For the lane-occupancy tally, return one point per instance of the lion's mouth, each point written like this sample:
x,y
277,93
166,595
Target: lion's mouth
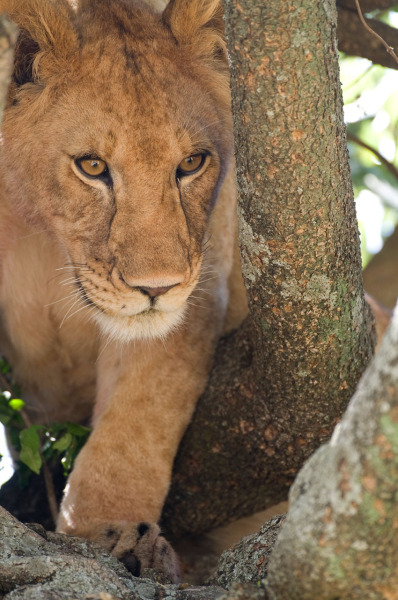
x,y
126,319
147,324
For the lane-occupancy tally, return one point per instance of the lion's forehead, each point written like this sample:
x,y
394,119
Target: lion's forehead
x,y
113,116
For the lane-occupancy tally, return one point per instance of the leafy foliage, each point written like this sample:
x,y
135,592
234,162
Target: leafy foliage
x,y
371,113
58,441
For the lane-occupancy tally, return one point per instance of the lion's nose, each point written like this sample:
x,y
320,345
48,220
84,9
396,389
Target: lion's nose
x,y
156,291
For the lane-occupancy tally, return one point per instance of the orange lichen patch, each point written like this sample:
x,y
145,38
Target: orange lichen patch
x,y
381,509
380,440
345,485
263,67
301,441
297,134
251,81
282,89
270,433
369,483
297,158
327,518
245,427
387,453
387,593
272,171
274,141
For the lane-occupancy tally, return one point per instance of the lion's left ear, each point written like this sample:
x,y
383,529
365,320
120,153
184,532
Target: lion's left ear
x,y
199,24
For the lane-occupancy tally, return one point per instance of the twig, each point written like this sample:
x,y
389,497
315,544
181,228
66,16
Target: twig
x,y
389,49
393,170
48,480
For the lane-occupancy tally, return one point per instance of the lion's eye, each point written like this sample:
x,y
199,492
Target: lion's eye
x,y
93,167
190,165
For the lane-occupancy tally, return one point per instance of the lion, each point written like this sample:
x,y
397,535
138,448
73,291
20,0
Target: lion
x,y
119,264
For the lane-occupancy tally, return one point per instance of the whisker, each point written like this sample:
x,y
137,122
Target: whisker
x,y
23,237
68,281
74,267
195,305
198,299
61,300
78,310
203,291
103,349
79,299
208,279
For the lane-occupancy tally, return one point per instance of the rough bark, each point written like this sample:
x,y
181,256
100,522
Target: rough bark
x,y
35,564
340,539
247,561
354,39
244,591
283,380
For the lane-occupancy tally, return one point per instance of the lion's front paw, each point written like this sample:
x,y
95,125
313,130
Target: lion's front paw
x,y
139,546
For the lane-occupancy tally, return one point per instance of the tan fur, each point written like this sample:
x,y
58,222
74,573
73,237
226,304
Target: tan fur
x,y
142,91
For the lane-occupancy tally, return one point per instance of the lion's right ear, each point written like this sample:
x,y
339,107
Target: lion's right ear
x,y
199,24
46,38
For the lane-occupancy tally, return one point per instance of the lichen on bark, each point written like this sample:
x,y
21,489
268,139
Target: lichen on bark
x,y
340,536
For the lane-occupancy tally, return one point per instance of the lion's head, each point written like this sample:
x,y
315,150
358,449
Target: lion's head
x,y
116,138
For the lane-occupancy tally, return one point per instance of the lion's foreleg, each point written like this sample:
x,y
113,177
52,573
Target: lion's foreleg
x,y
122,476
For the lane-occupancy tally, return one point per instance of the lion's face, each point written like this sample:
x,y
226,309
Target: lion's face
x,y
122,161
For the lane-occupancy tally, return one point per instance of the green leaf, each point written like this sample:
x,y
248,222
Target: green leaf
x,y
16,404
78,430
4,366
30,445
5,419
63,443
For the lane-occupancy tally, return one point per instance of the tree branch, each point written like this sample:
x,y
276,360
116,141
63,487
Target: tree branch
x,y
355,40
367,5
378,37
391,168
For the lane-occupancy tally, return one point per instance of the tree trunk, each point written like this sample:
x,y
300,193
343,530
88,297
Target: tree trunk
x,y
280,384
340,539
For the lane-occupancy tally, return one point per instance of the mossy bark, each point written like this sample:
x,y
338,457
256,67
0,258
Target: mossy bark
x,y
340,539
281,383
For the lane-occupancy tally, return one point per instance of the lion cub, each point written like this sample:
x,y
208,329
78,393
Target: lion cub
x,y
117,216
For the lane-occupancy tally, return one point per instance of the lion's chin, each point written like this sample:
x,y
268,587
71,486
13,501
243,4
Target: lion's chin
x,y
146,325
